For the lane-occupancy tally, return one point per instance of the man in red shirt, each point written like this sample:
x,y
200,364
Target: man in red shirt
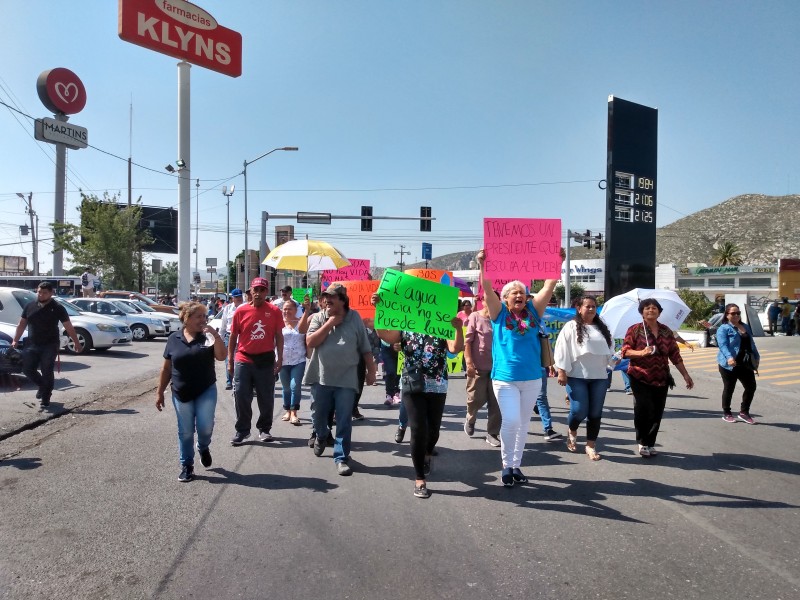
x,y
255,354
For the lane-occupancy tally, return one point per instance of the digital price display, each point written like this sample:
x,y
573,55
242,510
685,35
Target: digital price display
x,y
631,196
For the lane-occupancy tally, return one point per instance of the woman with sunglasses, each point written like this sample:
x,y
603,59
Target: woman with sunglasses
x,y
738,360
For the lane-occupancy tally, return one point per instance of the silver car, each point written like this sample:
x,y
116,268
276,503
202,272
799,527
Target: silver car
x,y
142,326
171,322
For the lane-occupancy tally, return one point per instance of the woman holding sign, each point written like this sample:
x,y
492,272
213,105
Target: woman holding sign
x,y
517,364
424,390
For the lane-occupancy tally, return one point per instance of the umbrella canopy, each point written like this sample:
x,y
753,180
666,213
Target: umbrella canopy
x,y
306,255
463,286
622,311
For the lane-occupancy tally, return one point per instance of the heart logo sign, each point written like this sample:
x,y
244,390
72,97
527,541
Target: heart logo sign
x,y
61,91
68,93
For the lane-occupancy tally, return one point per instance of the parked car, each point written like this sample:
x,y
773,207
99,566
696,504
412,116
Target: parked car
x,y
94,331
117,294
142,326
171,322
762,316
216,321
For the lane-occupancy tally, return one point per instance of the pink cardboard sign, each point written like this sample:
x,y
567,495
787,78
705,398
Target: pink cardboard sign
x,y
522,249
358,270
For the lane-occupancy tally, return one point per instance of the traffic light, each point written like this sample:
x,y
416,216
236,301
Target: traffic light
x,y
366,223
23,230
424,213
598,241
587,239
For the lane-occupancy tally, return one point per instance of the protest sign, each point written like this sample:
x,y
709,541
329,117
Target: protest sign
x,y
357,270
409,303
299,294
437,275
521,249
359,293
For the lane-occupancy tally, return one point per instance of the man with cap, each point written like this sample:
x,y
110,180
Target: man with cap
x,y
255,354
338,340
41,317
286,294
225,327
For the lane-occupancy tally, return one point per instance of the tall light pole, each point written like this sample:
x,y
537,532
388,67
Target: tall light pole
x,y
246,224
228,195
34,229
197,227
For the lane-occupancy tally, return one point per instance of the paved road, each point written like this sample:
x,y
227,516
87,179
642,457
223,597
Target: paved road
x,y
91,507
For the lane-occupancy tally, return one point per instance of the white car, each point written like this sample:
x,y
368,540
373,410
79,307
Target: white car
x,y
143,327
171,322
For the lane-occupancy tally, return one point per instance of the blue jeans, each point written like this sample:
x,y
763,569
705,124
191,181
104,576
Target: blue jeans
x,y
40,356
626,381
327,398
225,337
403,417
544,406
291,381
196,415
586,399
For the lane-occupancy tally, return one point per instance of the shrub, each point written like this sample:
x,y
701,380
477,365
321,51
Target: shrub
x,y
700,306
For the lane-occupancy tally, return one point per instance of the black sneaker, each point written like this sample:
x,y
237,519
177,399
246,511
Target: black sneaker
x,y
518,476
421,491
44,403
319,446
228,386
330,441
187,474
400,434
536,409
469,428
507,477
205,458
240,437
357,416
551,435
39,394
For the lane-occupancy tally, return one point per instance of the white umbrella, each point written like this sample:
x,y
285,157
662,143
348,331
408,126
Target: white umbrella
x,y
622,311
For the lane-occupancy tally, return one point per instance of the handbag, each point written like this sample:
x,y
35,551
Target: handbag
x,y
546,349
413,381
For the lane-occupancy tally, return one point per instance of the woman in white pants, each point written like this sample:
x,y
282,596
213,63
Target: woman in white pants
x,y
516,369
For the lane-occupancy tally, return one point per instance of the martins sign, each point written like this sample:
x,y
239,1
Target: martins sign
x,y
182,30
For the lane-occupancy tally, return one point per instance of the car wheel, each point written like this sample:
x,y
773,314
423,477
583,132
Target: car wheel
x,y
84,338
139,332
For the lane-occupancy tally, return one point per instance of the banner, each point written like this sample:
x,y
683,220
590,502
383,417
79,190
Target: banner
x,y
521,249
437,275
357,270
359,293
412,304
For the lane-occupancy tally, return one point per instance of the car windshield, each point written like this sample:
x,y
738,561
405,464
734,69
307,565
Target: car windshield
x,y
123,307
23,297
70,308
143,306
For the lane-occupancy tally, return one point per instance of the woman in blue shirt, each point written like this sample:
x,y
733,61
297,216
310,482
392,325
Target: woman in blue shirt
x,y
738,359
517,367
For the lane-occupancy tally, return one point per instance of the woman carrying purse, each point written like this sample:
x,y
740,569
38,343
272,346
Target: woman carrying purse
x,y
738,360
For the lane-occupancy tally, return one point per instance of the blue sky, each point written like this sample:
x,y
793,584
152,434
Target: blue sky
x,y
473,108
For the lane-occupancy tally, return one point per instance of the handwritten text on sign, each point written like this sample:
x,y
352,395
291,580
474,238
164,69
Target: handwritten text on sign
x,y
413,304
522,249
358,270
360,295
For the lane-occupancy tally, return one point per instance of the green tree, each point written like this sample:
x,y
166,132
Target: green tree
x,y
700,306
726,254
108,240
167,279
575,291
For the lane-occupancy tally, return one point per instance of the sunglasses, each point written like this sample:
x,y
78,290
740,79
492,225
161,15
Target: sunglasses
x,y
734,313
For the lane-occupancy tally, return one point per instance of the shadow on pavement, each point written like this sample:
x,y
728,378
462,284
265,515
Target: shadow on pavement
x,y
267,481
23,464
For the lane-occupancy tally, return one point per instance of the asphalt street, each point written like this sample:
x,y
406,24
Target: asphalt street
x,y
91,505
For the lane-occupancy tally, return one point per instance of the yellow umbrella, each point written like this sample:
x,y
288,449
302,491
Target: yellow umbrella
x,y
305,255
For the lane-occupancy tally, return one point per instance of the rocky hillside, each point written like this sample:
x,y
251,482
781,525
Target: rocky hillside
x,y
764,228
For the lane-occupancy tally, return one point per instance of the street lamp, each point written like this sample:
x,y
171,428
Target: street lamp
x,y
246,224
34,230
228,195
197,228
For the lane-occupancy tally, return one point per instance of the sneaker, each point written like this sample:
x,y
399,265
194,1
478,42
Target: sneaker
x,y
653,451
357,416
319,446
388,401
228,386
44,404
265,436
517,475
344,469
312,439
421,491
644,451
492,440
396,399
205,458
187,474
746,418
39,394
729,418
400,434
240,437
507,477
469,428
551,436
536,409
629,392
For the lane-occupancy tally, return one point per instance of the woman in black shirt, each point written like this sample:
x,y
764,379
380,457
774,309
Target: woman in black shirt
x,y
189,366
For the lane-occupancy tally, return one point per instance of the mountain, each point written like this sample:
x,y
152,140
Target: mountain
x,y
764,228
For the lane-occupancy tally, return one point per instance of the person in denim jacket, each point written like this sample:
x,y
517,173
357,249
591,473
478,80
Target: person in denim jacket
x,y
738,359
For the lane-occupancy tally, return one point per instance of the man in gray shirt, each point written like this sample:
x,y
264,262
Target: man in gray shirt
x,y
338,340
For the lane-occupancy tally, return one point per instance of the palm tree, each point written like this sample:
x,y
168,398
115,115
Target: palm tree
x,y
727,254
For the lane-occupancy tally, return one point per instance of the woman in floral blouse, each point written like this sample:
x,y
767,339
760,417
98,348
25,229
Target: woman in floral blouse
x,y
426,355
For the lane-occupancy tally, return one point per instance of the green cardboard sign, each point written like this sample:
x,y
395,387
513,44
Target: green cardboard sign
x,y
299,294
410,303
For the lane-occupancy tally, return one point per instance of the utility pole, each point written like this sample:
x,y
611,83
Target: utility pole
x,y
402,252
34,229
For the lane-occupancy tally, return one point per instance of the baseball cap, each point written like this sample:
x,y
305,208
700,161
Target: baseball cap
x,y
258,282
236,293
286,288
335,289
